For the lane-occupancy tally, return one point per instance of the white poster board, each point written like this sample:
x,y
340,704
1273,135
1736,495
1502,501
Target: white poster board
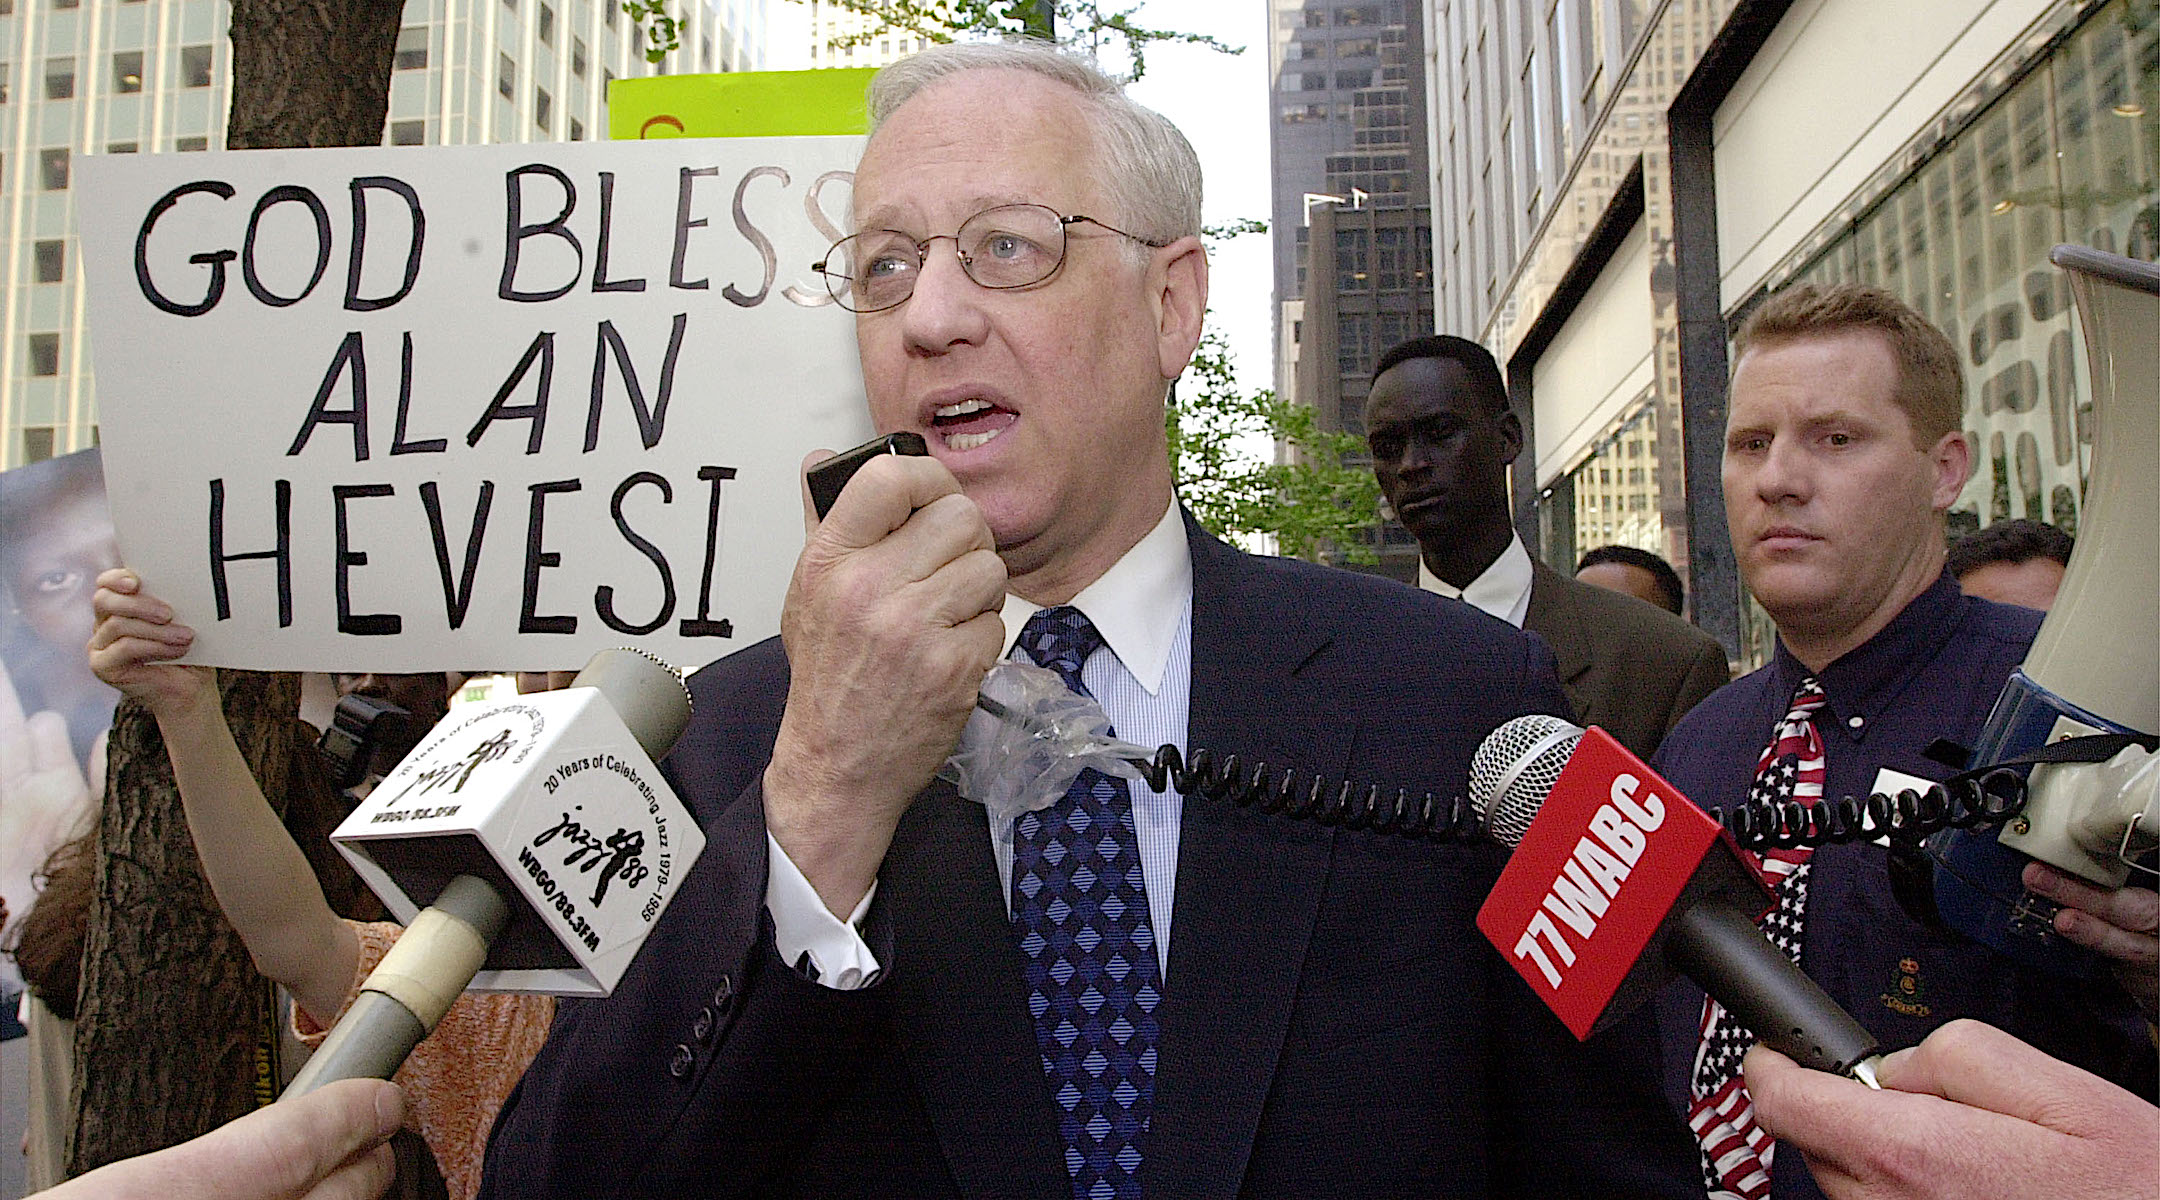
x,y
468,408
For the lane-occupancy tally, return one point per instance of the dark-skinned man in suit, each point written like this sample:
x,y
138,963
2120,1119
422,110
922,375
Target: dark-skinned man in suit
x,y
1442,438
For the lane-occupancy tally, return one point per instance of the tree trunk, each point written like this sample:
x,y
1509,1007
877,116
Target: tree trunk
x,y
310,72
171,1008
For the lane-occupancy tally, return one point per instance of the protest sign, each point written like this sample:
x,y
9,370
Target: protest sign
x,y
829,100
470,407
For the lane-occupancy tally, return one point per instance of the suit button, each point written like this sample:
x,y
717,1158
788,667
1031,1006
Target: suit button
x,y
723,996
680,1062
702,1028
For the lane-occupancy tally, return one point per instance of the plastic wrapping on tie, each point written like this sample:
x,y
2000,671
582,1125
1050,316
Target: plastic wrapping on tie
x,y
1029,738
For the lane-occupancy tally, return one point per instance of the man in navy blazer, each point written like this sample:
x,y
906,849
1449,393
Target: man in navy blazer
x,y
834,1003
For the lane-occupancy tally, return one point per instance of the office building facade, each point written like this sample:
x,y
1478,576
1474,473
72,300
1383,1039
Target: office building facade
x,y
1619,182
82,77
1352,221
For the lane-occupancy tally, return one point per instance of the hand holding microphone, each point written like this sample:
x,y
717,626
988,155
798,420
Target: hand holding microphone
x,y
1972,1114
1618,883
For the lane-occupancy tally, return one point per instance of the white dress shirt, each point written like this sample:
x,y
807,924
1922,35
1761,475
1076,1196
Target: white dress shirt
x,y
1142,677
1502,591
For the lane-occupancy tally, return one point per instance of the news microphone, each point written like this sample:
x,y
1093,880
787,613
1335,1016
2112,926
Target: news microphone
x,y
1617,883
542,841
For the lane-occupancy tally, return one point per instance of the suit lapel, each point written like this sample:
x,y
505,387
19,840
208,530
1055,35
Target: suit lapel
x,y
1553,616
961,1008
1248,886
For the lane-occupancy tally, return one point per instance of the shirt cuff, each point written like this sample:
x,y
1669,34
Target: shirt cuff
x,y
820,946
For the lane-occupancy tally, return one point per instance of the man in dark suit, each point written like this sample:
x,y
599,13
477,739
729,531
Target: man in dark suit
x,y
864,988
1442,437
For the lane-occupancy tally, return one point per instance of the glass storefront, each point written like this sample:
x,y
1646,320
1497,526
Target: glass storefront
x,y
2068,151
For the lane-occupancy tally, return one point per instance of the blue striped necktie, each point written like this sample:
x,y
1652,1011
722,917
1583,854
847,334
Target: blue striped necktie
x,y
1080,911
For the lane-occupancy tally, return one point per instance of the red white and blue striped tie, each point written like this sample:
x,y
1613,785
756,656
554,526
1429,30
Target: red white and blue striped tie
x,y
1736,1152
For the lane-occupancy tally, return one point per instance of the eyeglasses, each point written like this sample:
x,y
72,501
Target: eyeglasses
x,y
1010,246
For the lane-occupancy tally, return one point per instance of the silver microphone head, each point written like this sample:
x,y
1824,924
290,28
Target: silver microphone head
x,y
1515,768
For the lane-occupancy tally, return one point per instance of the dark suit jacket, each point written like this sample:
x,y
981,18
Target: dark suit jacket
x,y
1332,1023
1630,668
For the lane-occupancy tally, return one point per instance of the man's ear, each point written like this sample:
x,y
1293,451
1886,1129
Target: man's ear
x,y
1510,436
1180,302
1951,461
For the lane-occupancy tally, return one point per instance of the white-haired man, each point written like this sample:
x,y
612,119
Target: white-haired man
x,y
866,990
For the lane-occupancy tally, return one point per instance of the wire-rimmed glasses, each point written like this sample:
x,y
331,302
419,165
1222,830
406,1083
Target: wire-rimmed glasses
x,y
1009,246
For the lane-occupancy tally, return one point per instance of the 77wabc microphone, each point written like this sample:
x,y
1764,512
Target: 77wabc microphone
x,y
542,842
1617,884
2094,668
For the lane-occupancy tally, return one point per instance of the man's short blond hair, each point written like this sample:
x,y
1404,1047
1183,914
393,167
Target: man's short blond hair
x,y
1930,388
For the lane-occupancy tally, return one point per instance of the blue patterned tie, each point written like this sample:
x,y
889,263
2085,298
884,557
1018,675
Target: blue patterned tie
x,y
1079,908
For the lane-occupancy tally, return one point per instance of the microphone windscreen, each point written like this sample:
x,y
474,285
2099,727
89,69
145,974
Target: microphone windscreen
x,y
1514,770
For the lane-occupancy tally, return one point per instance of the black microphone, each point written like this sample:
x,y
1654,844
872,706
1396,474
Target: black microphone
x,y
1617,883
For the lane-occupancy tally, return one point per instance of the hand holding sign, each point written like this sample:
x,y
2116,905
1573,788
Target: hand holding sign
x,y
134,644
891,622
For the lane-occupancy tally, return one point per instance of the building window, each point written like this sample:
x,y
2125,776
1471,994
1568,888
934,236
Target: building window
x,y
121,147
577,130
59,79
187,145
45,354
53,169
543,108
608,7
37,443
505,76
51,260
577,57
4,68
1350,80
194,66
510,4
547,24
63,4
408,133
127,67
412,47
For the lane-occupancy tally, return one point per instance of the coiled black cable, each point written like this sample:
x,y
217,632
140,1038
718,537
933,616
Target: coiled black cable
x,y
1304,797
1986,798
1991,798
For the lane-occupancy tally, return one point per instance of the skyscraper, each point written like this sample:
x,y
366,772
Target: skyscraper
x,y
1352,210
84,77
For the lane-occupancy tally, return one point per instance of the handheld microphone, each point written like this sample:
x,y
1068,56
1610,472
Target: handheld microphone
x,y
1617,883
542,841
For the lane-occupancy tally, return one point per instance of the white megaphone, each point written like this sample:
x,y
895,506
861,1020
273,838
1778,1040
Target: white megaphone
x,y
2092,669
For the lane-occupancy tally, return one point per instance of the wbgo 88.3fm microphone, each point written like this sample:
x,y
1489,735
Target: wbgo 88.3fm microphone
x,y
1617,883
542,842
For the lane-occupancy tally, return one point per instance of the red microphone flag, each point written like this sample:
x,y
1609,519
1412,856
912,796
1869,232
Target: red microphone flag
x,y
1584,897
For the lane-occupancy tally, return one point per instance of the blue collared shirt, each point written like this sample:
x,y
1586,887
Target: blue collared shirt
x,y
1933,672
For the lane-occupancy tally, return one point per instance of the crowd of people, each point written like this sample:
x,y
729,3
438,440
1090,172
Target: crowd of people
x,y
866,988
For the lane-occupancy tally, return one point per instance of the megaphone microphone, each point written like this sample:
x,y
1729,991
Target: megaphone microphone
x,y
540,838
2078,679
